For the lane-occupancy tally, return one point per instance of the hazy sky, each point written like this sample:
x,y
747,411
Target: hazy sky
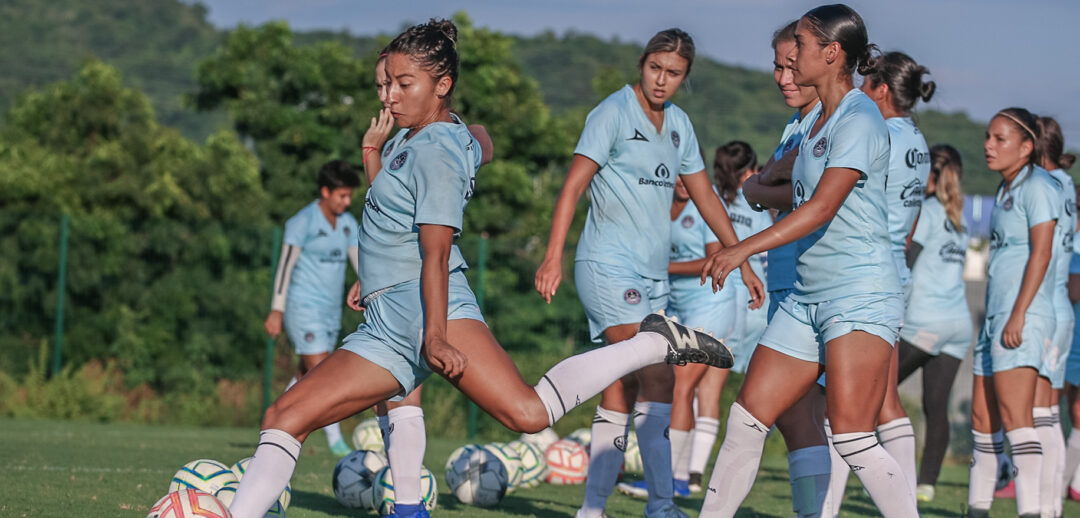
x,y
984,54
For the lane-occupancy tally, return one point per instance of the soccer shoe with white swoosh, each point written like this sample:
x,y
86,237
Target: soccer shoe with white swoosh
x,y
687,345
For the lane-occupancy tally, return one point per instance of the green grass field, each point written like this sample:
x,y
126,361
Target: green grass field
x,y
66,469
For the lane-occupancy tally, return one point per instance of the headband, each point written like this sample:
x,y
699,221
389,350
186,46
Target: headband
x,y
1021,124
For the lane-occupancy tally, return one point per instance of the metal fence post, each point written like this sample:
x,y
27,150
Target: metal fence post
x,y
268,366
61,287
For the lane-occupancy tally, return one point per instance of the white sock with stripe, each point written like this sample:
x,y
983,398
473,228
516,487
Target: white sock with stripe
x,y
983,471
1027,455
680,453
736,465
898,438
1072,460
878,472
406,443
267,474
838,481
609,429
701,442
1049,479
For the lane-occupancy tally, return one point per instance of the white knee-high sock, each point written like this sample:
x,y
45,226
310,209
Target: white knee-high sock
x,y
680,453
651,422
333,433
1059,461
898,438
580,377
1028,457
837,481
609,429
1072,460
1044,427
267,475
810,473
983,472
878,472
701,442
736,465
405,452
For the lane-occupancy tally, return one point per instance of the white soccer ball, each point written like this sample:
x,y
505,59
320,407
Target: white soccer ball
x,y
506,454
206,475
354,476
188,503
632,455
541,439
368,436
568,463
582,436
382,493
475,476
227,493
240,467
532,463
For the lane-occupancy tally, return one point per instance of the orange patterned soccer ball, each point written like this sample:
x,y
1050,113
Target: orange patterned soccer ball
x,y
189,503
567,461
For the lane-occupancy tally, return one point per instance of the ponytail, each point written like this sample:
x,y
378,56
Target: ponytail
x,y
947,169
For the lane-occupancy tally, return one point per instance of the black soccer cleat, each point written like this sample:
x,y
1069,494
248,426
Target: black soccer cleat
x,y
687,345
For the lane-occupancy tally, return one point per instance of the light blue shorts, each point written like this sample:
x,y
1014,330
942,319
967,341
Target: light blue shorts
x,y
801,330
950,337
393,330
713,312
1072,368
614,295
775,297
992,356
749,326
309,331
1056,357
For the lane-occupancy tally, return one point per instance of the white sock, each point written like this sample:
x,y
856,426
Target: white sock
x,y
267,474
1072,462
405,452
384,428
701,442
680,453
1028,457
651,421
1044,427
333,433
609,429
578,378
898,438
984,470
878,472
291,383
736,465
838,481
1059,461
810,472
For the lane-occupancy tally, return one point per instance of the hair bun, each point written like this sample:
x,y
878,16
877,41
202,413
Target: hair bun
x,y
446,27
867,60
1067,160
926,90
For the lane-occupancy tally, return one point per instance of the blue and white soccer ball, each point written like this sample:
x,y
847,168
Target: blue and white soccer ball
x,y
632,455
228,492
476,476
354,476
206,475
511,460
582,436
383,495
533,463
368,436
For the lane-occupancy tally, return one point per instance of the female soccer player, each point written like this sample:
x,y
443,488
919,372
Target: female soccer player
x,y
420,314
1019,311
937,324
310,279
847,296
634,143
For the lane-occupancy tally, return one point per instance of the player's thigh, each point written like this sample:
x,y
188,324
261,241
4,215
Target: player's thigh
x,y
413,399
1015,390
803,425
857,370
774,382
985,417
891,408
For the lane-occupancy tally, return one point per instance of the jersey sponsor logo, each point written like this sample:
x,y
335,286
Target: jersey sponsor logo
x,y
1067,241
800,194
820,146
662,171
687,221
620,443
740,219
1008,205
996,240
337,253
638,136
389,148
472,189
952,252
913,190
915,158
632,296
675,138
321,233
371,204
399,161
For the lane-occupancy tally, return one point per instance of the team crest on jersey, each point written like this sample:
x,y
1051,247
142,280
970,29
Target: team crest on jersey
x,y
309,337
389,148
687,221
819,147
1008,205
632,296
399,161
675,138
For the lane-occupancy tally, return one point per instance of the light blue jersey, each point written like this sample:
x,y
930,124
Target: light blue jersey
x,y
780,274
627,223
937,291
1063,241
851,254
1033,198
429,180
695,304
909,169
747,222
317,286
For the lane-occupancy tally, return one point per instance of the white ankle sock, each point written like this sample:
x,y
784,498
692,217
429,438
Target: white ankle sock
x,y
267,474
878,472
580,377
1028,457
1059,461
837,481
1072,462
898,438
701,442
736,465
680,453
333,433
1044,427
609,429
810,472
651,422
405,452
984,470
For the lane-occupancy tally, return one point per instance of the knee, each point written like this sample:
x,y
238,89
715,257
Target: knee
x,y
525,417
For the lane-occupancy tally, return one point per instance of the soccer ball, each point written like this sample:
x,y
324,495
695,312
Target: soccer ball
x,y
582,436
354,475
541,439
188,503
227,493
368,436
632,455
382,493
532,462
567,461
511,460
206,475
476,476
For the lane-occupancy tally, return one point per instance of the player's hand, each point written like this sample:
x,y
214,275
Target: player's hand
x,y
273,324
753,285
720,264
353,298
548,277
379,130
444,358
1013,334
